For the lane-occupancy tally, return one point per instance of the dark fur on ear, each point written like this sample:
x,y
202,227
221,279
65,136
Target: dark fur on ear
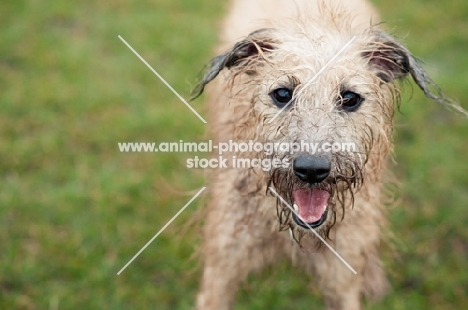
x,y
394,61
254,44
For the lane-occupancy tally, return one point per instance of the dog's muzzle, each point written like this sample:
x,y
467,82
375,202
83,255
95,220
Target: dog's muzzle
x,y
311,204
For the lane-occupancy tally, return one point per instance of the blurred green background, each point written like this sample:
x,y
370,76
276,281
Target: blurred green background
x,y
74,210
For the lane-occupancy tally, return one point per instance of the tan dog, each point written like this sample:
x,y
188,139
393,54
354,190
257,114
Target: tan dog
x,y
310,73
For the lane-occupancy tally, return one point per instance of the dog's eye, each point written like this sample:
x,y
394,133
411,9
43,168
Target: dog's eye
x,y
281,96
350,101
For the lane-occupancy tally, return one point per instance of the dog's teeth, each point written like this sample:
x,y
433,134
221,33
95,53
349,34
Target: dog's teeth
x,y
296,208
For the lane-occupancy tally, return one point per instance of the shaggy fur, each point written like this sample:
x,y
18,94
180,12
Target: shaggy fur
x,y
246,226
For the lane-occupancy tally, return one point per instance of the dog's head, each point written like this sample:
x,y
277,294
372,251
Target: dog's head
x,y
332,91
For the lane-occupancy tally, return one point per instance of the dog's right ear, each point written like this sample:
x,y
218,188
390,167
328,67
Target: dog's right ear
x,y
255,45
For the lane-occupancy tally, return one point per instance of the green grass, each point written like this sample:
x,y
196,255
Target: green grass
x,y
73,210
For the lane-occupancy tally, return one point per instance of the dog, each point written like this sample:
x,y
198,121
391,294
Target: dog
x,y
303,73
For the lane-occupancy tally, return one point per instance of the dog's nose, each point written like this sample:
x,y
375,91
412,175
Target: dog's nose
x,y
311,169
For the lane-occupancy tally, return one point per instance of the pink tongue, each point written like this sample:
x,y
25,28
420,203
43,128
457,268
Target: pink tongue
x,y
311,203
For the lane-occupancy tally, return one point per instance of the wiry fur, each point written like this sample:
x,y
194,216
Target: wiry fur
x,y
245,223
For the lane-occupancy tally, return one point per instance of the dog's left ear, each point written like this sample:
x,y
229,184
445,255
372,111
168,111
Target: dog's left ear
x,y
393,61
254,45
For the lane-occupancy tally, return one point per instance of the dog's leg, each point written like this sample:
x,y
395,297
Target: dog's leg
x,y
356,240
341,288
239,239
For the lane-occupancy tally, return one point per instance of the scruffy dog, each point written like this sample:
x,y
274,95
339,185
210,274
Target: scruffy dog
x,y
303,73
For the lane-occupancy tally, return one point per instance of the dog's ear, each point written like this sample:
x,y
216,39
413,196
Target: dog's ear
x,y
254,45
393,61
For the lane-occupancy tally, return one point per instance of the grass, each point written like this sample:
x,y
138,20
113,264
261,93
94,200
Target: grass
x,y
73,210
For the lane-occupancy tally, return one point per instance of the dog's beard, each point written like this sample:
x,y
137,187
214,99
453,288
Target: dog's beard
x,y
308,200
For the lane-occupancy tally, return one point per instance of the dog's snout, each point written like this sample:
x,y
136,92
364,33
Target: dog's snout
x,y
311,169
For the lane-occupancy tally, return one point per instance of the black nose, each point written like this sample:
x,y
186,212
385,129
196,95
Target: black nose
x,y
311,169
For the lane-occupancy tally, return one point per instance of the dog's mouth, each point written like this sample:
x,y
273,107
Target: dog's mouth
x,y
311,206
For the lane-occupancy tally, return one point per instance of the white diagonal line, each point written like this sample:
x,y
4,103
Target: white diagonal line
x,y
314,77
316,234
162,229
163,80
